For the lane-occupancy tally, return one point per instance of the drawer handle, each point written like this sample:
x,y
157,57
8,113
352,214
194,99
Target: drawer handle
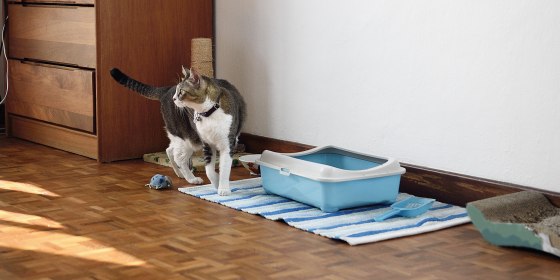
x,y
51,4
70,67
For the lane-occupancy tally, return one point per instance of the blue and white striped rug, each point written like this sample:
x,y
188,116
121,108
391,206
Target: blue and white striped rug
x,y
355,226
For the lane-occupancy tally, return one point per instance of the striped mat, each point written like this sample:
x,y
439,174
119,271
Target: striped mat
x,y
355,226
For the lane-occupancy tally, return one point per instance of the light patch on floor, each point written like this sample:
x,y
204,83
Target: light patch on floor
x,y
25,187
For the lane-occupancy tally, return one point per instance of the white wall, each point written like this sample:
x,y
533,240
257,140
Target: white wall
x,y
467,86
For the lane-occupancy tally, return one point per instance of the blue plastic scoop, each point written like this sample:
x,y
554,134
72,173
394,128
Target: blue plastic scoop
x,y
409,207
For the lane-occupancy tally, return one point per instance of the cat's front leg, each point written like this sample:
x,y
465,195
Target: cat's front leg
x,y
210,167
225,170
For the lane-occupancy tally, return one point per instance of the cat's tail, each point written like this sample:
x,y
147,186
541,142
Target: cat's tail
x,y
147,91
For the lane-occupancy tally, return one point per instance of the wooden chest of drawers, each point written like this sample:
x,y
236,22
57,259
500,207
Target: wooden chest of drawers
x,y
60,55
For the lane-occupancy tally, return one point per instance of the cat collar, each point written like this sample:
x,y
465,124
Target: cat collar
x,y
198,116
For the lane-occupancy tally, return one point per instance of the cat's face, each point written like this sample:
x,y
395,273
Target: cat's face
x,y
191,90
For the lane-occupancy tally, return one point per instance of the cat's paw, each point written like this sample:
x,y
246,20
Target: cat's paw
x,y
195,181
224,191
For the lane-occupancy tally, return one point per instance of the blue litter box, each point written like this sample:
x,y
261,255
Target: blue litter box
x,y
331,178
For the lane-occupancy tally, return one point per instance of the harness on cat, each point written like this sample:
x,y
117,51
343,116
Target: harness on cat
x,y
198,116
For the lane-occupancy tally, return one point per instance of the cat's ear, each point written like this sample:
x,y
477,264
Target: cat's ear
x,y
194,78
185,72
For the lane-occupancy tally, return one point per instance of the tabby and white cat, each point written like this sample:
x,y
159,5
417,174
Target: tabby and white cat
x,y
219,113
179,125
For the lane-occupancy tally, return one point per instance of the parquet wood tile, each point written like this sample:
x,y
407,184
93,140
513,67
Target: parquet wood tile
x,y
63,216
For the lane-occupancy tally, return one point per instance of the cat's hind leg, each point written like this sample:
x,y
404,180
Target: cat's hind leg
x,y
169,152
179,153
182,158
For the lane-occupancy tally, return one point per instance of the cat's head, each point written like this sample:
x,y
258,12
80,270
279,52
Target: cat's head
x,y
192,90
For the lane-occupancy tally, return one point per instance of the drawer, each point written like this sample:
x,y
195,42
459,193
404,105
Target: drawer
x,y
54,33
55,136
59,95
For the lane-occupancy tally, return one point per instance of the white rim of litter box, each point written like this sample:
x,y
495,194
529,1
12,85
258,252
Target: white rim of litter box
x,y
286,164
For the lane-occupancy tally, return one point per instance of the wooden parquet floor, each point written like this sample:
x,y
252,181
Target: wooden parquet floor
x,y
63,216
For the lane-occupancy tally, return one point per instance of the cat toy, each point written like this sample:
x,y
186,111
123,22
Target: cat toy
x,y
159,182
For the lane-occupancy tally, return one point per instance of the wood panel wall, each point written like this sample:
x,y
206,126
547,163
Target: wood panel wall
x,y
149,42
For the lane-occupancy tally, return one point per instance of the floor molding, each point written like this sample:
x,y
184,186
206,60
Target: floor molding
x,y
444,186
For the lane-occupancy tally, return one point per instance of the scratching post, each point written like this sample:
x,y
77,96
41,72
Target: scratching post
x,y
201,56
